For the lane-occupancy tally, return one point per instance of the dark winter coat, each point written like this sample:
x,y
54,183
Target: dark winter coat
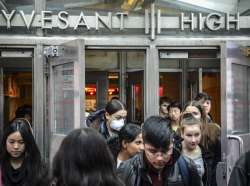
x,y
134,172
240,175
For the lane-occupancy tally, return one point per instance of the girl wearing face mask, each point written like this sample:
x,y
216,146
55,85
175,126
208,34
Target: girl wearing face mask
x,y
20,159
108,120
115,115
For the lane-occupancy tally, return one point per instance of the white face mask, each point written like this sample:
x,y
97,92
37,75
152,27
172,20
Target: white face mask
x,y
117,124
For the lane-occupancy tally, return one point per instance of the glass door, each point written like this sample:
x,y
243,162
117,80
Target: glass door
x,y
1,101
135,97
116,74
184,73
66,96
236,86
16,93
96,90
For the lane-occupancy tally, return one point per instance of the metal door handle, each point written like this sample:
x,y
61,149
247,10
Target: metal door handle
x,y
239,139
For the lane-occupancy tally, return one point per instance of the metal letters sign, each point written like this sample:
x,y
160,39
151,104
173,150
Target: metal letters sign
x,y
152,22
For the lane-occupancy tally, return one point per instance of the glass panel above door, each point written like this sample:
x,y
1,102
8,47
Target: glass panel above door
x,y
88,6
9,5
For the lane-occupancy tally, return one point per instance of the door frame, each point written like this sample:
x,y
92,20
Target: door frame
x,y
66,55
18,48
227,114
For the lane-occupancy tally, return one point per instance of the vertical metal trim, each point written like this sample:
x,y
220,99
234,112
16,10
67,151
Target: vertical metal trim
x,y
38,97
81,72
200,80
40,5
122,60
146,21
226,99
47,132
1,102
79,79
151,82
51,108
158,21
248,96
184,75
152,21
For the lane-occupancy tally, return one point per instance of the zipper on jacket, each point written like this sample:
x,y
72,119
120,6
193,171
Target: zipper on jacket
x,y
159,175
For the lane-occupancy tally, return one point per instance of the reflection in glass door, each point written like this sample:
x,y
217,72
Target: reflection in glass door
x,y
135,96
16,86
170,85
116,73
185,73
211,85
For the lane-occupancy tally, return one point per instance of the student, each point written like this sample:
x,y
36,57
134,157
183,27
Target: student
x,y
20,159
84,159
210,139
164,103
205,100
111,119
174,111
127,143
241,171
190,128
24,111
156,165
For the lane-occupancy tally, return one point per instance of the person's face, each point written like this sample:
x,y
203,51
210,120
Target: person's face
x,y
194,110
117,120
207,106
135,146
191,136
120,114
156,157
174,113
164,108
15,145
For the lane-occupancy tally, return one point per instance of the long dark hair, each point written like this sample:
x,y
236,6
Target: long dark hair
x,y
114,105
128,133
84,159
35,168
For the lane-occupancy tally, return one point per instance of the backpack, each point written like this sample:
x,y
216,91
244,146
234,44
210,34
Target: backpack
x,y
184,171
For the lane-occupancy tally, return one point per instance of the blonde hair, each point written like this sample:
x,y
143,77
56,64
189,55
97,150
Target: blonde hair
x,y
188,119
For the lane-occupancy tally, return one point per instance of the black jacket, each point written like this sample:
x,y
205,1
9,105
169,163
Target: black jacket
x,y
134,172
98,117
212,156
240,175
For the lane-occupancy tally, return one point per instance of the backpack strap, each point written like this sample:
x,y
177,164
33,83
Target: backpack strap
x,y
184,171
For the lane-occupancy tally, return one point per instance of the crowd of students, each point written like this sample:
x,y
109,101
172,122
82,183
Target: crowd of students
x,y
179,147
